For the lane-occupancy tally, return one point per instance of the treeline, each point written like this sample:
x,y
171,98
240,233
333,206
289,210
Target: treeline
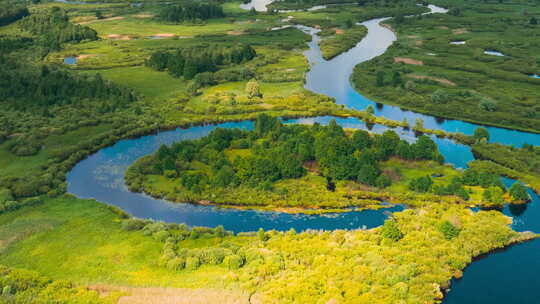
x,y
10,12
53,28
493,187
24,86
25,286
191,11
176,257
11,44
525,159
189,62
274,152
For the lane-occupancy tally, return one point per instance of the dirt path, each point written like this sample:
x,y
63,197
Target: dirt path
x,y
408,61
439,80
158,295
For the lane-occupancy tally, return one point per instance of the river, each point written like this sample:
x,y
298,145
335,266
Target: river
x,y
506,277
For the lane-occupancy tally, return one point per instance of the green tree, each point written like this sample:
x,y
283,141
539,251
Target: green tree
x,y
533,21
519,192
383,181
448,230
481,133
380,79
418,124
396,78
390,230
253,89
263,237
368,175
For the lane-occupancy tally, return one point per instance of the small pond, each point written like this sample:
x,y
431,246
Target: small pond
x,y
493,53
70,60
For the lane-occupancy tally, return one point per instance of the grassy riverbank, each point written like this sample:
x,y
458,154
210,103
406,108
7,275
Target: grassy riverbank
x,y
438,65
337,41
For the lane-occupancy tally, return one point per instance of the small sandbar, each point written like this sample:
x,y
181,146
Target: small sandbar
x,y
118,37
408,61
437,79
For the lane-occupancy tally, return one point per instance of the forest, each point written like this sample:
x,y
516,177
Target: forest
x,y
22,86
53,28
189,62
191,11
10,12
290,165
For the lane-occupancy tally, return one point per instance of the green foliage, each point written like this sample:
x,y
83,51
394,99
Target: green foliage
x,y
480,134
195,61
23,286
191,11
519,192
26,87
482,88
449,230
332,46
53,28
390,230
253,89
233,261
10,12
421,184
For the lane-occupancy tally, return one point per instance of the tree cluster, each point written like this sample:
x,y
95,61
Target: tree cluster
x,y
191,11
24,86
273,151
12,12
188,62
53,28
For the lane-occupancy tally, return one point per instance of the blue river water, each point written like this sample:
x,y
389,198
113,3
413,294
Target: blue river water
x,y
506,277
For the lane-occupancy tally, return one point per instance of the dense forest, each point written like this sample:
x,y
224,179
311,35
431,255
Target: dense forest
x,y
53,28
274,152
10,12
188,62
191,11
24,86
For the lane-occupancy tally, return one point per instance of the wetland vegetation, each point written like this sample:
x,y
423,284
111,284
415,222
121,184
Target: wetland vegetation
x,y
425,72
155,66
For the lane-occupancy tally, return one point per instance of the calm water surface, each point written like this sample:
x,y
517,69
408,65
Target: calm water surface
x,y
509,276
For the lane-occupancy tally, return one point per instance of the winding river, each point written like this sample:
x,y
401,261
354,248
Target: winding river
x,y
503,277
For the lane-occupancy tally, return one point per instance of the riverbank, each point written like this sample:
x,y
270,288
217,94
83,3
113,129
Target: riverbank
x,y
481,89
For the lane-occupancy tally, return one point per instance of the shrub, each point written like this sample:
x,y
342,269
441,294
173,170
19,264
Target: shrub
x,y
192,263
448,230
133,224
390,230
176,263
233,261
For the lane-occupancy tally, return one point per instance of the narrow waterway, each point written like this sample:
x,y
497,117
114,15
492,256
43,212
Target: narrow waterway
x,y
505,277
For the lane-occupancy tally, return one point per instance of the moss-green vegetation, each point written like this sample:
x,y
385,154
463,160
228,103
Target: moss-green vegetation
x,y
519,163
424,71
341,40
